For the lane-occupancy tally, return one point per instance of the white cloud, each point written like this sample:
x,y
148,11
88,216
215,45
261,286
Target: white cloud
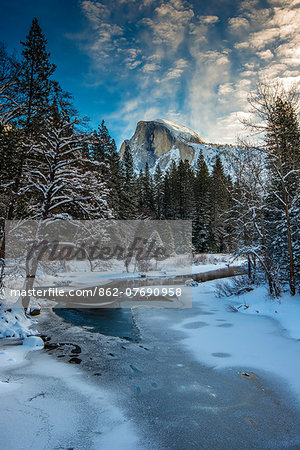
x,y
132,58
169,23
172,53
242,45
248,5
150,67
289,53
94,11
106,35
228,128
177,70
225,89
208,19
238,24
260,39
266,54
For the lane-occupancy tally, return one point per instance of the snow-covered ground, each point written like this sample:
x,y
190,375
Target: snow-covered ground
x,y
40,394
47,404
286,310
78,275
13,322
265,336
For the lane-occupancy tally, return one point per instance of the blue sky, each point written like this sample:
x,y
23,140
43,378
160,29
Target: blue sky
x,y
193,62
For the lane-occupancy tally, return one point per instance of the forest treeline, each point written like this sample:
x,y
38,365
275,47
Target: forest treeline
x,y
53,166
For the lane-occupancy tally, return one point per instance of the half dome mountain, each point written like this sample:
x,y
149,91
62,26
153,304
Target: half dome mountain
x,y
161,141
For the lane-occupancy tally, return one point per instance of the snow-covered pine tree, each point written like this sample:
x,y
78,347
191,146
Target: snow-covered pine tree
x,y
186,193
202,206
158,191
283,200
174,192
139,187
9,137
103,150
147,192
155,246
34,87
63,185
9,133
267,196
218,206
167,206
129,199
246,214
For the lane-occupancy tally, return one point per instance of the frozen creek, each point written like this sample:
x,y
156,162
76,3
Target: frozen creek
x,y
158,392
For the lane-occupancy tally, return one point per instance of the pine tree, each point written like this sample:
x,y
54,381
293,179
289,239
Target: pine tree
x,y
60,184
266,199
103,151
283,162
185,191
158,192
60,187
202,206
147,192
174,192
219,205
129,199
114,180
167,206
10,106
102,144
34,86
34,78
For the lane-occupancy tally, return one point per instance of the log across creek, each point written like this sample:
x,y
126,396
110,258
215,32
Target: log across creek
x,y
121,284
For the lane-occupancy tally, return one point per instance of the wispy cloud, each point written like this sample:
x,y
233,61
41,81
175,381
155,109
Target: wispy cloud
x,y
169,59
238,24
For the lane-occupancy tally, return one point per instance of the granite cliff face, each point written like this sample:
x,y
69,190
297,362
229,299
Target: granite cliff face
x,y
160,142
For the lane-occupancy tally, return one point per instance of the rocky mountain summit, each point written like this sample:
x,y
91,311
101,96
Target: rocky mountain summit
x,y
162,141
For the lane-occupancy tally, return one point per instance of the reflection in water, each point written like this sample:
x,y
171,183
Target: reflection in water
x,y
111,322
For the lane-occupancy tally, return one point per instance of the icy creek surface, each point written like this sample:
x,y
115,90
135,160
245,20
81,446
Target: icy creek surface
x,y
180,386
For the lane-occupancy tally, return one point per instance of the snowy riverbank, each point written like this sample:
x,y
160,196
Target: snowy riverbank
x,y
47,404
123,393
264,335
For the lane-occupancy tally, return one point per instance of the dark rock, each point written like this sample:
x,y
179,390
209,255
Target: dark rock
x,y
45,338
50,347
75,361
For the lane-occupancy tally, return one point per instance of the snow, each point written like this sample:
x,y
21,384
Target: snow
x,y
286,310
13,322
253,341
14,356
210,152
179,131
33,343
172,155
181,134
39,394
78,274
54,405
